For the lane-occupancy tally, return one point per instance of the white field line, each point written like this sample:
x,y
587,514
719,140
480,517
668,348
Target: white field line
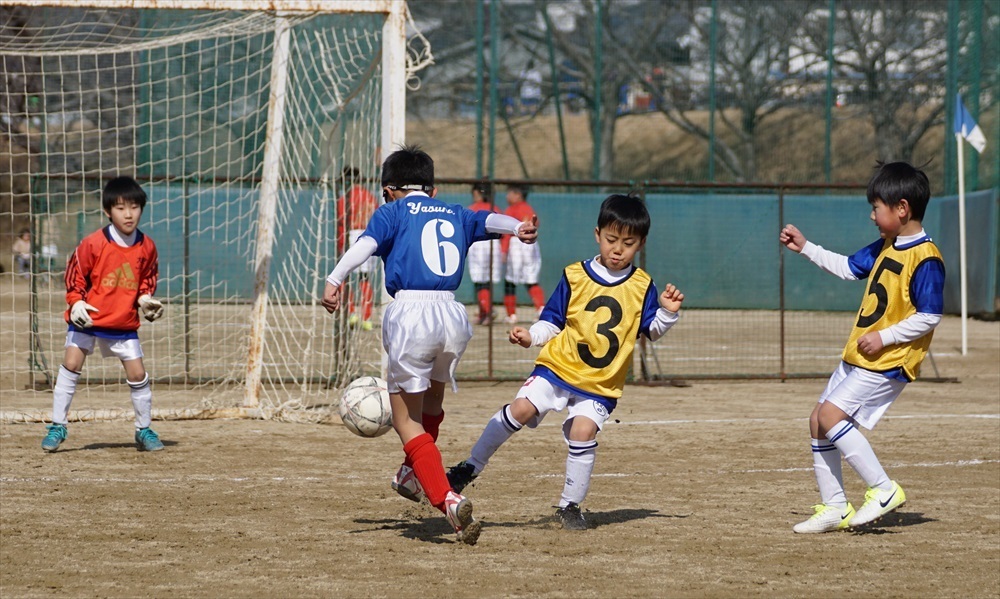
x,y
252,480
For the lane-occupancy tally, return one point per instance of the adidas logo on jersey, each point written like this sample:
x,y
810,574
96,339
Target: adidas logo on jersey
x,y
122,277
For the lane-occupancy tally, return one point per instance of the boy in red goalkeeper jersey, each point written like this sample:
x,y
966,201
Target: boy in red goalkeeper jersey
x,y
110,280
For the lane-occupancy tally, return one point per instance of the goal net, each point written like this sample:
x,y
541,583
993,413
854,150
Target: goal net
x,y
239,124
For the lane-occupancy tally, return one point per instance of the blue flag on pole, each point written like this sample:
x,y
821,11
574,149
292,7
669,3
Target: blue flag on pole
x,y
967,127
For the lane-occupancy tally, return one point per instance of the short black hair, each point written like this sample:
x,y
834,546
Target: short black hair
x,y
125,188
485,188
408,166
626,213
895,181
350,174
520,188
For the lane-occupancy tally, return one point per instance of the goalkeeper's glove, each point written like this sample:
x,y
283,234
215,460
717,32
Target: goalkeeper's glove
x,y
79,316
151,308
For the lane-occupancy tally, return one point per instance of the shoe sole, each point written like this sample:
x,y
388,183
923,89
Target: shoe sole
x,y
141,448
50,449
405,493
470,526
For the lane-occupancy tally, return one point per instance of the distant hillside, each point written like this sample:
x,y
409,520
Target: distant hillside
x,y
790,148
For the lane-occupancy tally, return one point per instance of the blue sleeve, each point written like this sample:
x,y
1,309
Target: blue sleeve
x,y
927,287
382,228
474,223
555,309
863,260
650,304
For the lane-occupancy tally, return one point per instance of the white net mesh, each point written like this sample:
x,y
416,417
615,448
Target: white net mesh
x,y
180,100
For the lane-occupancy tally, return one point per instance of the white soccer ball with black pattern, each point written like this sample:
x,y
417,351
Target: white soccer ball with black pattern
x,y
364,407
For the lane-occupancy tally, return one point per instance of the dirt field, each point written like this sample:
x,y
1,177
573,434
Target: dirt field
x,y
695,493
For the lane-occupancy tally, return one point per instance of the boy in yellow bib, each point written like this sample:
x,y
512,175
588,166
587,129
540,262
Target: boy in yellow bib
x,y
587,331
902,304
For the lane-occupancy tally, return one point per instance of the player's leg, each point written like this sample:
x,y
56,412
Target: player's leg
x,y
485,300
510,300
65,388
141,392
861,400
405,481
366,299
834,511
534,399
537,296
585,419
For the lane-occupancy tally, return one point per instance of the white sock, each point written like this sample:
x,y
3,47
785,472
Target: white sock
x,y
142,401
62,394
579,467
859,454
829,473
500,428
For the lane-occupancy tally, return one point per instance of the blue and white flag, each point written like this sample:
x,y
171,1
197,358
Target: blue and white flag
x,y
967,127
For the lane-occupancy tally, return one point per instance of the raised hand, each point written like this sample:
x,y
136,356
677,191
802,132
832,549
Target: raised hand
x,y
528,231
671,298
792,238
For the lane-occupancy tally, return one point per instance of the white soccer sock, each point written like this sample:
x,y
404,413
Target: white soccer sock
x,y
829,473
859,454
579,467
142,401
62,394
500,428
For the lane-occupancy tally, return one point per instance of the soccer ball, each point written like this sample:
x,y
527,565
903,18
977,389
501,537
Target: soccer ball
x,y
364,407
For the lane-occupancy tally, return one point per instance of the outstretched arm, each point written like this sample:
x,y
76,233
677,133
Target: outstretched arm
x,y
832,262
362,250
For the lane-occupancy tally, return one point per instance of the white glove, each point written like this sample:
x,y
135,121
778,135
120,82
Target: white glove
x,y
151,308
79,316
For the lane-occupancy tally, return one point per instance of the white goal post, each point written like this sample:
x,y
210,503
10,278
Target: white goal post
x,y
238,118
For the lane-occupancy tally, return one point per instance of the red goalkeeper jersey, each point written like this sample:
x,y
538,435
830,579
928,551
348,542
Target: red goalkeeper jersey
x,y
111,278
520,211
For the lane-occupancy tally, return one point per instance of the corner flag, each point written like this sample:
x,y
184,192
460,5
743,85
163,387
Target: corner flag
x,y
967,127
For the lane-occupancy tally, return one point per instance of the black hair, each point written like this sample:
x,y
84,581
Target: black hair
x,y
350,175
520,188
895,181
485,188
408,166
626,213
23,231
125,188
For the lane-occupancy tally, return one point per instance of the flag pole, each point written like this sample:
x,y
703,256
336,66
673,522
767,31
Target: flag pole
x,y
961,244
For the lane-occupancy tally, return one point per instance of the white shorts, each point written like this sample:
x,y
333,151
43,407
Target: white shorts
x,y
546,398
479,261
862,394
524,262
424,334
371,264
123,349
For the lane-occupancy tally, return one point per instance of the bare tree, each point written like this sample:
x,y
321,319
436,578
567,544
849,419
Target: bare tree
x,y
893,55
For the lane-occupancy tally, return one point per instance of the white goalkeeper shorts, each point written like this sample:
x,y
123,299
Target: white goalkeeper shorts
x,y
371,264
479,261
524,262
547,397
424,334
123,349
862,394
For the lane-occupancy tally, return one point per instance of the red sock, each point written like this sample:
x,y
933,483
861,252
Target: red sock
x,y
485,301
537,297
432,424
429,468
510,301
366,300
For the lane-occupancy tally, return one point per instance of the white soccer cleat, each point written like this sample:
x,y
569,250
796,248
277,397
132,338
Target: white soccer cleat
x,y
458,510
826,519
406,484
879,503
510,319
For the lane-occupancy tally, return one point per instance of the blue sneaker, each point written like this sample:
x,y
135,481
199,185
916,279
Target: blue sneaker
x,y
146,439
56,435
